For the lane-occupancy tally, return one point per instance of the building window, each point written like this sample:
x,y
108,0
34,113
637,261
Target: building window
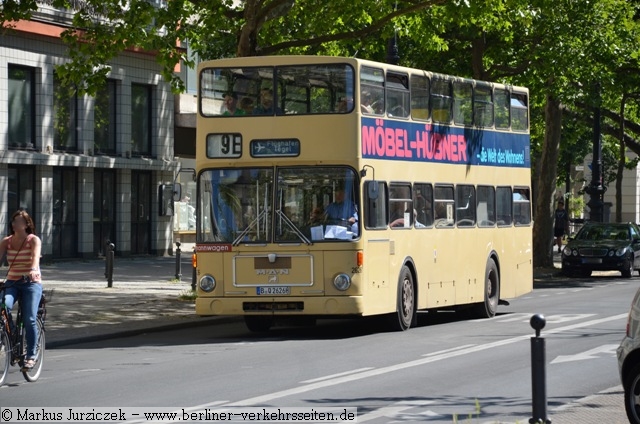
x,y
104,133
21,107
140,119
21,190
65,116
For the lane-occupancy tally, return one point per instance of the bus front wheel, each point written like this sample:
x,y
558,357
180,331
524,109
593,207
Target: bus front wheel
x,y
258,323
406,305
489,306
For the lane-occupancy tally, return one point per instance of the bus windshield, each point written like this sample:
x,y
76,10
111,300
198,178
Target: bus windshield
x,y
306,205
269,90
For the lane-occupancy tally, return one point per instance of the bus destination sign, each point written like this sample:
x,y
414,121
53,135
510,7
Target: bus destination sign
x,y
289,147
221,146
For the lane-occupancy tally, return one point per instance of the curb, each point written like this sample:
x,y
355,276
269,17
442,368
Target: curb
x,y
136,332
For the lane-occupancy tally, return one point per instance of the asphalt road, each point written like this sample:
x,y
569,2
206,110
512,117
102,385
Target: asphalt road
x,y
446,370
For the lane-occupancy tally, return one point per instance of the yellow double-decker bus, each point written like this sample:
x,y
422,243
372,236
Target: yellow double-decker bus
x,y
333,187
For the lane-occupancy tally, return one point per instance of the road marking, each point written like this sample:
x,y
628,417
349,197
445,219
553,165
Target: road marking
x,y
385,411
453,349
340,374
418,362
394,411
551,319
608,350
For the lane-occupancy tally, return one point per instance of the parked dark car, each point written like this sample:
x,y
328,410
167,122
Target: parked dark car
x,y
603,247
629,362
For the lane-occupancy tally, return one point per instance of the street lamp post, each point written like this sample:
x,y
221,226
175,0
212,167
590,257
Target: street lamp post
x,y
596,189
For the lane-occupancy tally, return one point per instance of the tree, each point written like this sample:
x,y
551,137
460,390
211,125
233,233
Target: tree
x,y
103,29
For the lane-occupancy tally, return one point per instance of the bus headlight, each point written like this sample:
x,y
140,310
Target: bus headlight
x,y
342,282
207,283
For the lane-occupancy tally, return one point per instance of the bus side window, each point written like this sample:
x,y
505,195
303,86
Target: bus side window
x,y
504,200
444,206
501,110
462,103
375,212
440,100
465,205
486,208
423,205
419,97
521,206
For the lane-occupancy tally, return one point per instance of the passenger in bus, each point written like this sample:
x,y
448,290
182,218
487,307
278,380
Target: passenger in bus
x,y
399,222
231,104
246,104
266,103
341,211
396,217
365,105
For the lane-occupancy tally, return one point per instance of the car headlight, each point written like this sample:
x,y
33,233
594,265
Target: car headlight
x,y
207,283
342,282
621,252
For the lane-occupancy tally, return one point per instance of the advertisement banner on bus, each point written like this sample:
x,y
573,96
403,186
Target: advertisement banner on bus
x,y
425,142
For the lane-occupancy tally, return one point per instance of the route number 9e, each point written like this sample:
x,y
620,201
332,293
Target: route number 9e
x,y
224,145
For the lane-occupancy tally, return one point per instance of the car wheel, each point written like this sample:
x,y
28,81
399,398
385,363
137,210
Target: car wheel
x,y
632,395
627,272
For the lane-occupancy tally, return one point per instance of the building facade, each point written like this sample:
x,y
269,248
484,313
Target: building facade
x,y
89,170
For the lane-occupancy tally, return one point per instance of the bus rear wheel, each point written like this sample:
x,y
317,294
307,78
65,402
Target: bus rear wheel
x,y
489,306
406,305
258,323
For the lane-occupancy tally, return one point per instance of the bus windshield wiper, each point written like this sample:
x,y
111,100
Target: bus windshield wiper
x,y
293,227
249,228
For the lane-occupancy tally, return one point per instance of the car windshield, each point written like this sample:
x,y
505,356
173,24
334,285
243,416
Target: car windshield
x,y
604,232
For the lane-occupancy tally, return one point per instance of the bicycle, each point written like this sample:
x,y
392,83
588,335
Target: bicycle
x,y
13,338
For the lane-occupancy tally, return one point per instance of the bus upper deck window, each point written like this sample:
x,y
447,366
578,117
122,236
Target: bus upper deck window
x,y
397,87
372,90
519,112
441,100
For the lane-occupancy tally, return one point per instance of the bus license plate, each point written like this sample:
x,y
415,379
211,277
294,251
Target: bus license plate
x,y
274,291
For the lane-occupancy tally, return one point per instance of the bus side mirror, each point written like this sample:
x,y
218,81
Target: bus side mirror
x,y
177,192
373,189
165,199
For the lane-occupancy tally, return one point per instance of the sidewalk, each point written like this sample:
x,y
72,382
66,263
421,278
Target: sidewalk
x,y
145,296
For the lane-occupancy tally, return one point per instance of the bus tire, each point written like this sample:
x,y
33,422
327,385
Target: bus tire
x,y
405,314
489,306
258,323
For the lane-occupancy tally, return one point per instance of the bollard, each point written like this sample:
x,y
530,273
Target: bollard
x,y
178,264
538,373
109,255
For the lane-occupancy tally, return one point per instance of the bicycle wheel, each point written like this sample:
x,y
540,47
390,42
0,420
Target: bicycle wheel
x,y
32,374
5,355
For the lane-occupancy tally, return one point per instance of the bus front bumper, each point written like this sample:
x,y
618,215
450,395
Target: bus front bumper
x,y
337,305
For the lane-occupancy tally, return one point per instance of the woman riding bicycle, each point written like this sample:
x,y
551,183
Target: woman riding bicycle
x,y
23,249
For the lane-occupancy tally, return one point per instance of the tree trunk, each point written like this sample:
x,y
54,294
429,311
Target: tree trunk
x,y
546,184
246,40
